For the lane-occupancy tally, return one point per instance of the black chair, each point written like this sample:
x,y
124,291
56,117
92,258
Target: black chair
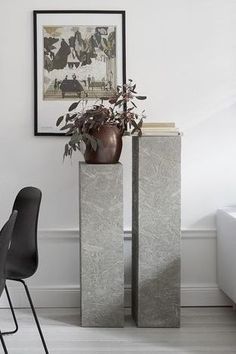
x,y
22,259
5,238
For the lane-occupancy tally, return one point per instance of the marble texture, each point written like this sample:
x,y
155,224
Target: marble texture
x,y
101,245
156,231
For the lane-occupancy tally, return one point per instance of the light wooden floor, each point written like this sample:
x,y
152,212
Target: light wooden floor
x,y
203,330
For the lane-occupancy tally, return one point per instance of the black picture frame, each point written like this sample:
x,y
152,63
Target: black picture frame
x,y
36,16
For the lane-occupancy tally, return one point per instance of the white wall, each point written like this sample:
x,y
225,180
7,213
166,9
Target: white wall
x,y
182,54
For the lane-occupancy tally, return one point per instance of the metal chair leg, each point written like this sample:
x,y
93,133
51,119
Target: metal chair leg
x,y
3,343
34,314
12,312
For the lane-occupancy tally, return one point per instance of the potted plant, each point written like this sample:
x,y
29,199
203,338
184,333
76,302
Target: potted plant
x,y
98,130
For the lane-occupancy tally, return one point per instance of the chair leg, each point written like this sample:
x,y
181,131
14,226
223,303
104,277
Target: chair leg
x,y
34,314
12,312
3,343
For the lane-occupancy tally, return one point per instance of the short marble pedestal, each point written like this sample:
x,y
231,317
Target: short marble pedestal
x,y
101,245
156,231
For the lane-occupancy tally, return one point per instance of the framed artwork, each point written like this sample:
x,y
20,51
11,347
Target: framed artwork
x,y
77,54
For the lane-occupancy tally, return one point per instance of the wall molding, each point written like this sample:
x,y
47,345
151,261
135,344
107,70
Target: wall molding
x,y
200,294
73,233
62,233
69,296
198,233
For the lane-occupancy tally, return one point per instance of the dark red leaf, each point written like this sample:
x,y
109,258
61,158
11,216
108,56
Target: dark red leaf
x,y
141,97
60,119
73,106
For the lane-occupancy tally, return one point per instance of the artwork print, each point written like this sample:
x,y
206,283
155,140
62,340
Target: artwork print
x,y
77,55
79,61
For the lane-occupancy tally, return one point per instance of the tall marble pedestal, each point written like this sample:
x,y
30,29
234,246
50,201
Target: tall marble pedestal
x,y
156,231
101,245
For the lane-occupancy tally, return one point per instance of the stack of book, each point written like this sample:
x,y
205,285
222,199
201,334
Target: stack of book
x,y
161,128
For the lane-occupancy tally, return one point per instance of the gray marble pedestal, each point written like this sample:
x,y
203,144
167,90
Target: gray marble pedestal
x,y
156,231
101,245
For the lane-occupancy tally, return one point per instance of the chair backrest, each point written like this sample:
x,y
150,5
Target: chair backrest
x,y
5,238
24,238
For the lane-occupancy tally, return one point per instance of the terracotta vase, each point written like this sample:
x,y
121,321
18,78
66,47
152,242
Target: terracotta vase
x,y
109,148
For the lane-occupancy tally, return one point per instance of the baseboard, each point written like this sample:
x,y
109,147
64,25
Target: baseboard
x,y
194,295
198,246
203,295
73,233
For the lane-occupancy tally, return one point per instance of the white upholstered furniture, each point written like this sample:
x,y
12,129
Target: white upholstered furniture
x,y
226,251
